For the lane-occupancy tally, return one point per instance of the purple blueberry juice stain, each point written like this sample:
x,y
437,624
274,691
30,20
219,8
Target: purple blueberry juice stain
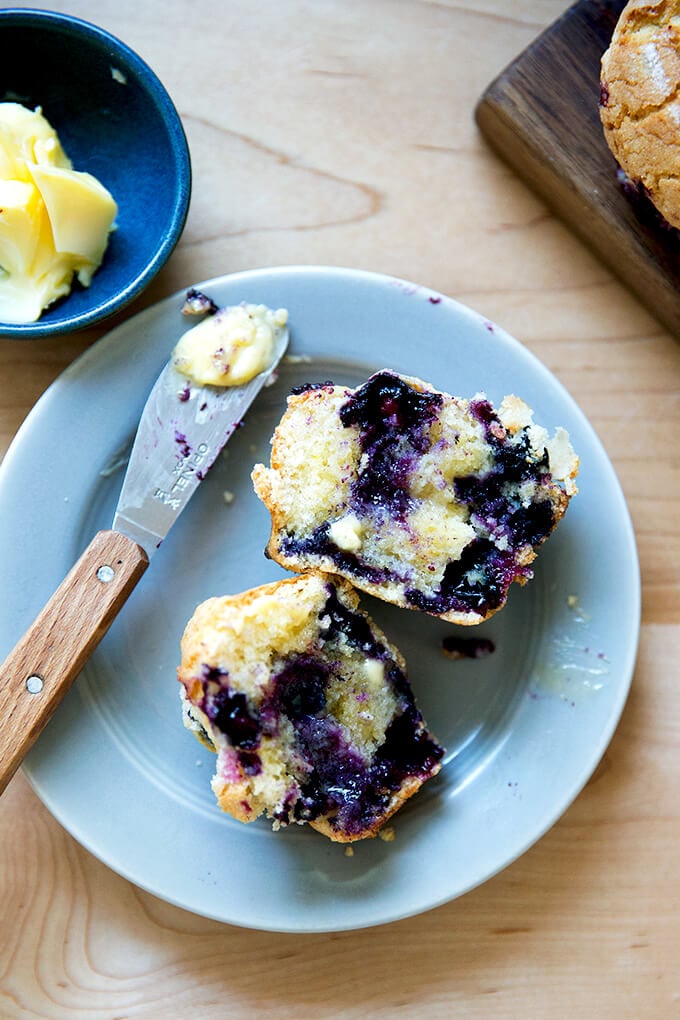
x,y
182,444
337,619
299,690
408,750
393,421
333,773
229,710
477,582
319,544
480,579
185,393
455,647
344,785
250,763
339,774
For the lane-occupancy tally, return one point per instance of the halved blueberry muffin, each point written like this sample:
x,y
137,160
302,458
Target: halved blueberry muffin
x,y
428,501
308,707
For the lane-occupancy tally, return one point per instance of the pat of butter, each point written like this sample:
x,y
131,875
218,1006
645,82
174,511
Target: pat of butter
x,y
80,211
54,221
346,532
230,347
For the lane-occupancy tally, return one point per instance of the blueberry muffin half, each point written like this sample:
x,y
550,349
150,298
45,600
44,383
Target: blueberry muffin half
x,y
308,707
425,500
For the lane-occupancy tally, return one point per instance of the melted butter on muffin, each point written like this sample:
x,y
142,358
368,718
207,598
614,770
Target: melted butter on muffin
x,y
346,533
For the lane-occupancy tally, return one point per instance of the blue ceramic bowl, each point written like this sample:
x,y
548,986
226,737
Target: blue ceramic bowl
x,y
115,120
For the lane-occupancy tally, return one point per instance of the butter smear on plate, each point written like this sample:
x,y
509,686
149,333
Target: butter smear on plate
x,y
54,221
231,346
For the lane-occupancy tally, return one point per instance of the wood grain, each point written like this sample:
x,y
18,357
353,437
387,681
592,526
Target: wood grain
x,y
340,133
541,115
39,671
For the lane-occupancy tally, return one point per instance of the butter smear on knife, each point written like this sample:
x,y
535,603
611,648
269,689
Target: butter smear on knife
x,y
54,221
231,346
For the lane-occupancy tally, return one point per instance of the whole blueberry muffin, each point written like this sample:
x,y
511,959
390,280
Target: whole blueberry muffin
x,y
639,102
308,707
425,500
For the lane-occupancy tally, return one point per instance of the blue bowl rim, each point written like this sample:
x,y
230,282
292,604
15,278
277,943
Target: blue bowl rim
x,y
17,16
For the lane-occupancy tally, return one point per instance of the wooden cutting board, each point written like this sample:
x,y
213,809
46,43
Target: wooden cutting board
x,y
542,116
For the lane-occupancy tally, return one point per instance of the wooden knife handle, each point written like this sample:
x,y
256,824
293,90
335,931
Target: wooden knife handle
x,y
36,675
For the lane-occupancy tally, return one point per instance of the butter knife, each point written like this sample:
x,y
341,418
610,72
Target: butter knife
x,y
181,432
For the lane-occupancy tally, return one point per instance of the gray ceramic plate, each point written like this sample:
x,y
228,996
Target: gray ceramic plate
x,y
524,727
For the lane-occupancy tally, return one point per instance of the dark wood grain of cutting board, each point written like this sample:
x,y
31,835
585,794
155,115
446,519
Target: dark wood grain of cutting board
x,y
542,116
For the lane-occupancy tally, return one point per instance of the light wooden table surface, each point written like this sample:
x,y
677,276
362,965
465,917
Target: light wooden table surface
x,y
341,132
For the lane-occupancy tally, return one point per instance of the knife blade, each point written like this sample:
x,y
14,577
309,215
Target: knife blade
x,y
181,432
